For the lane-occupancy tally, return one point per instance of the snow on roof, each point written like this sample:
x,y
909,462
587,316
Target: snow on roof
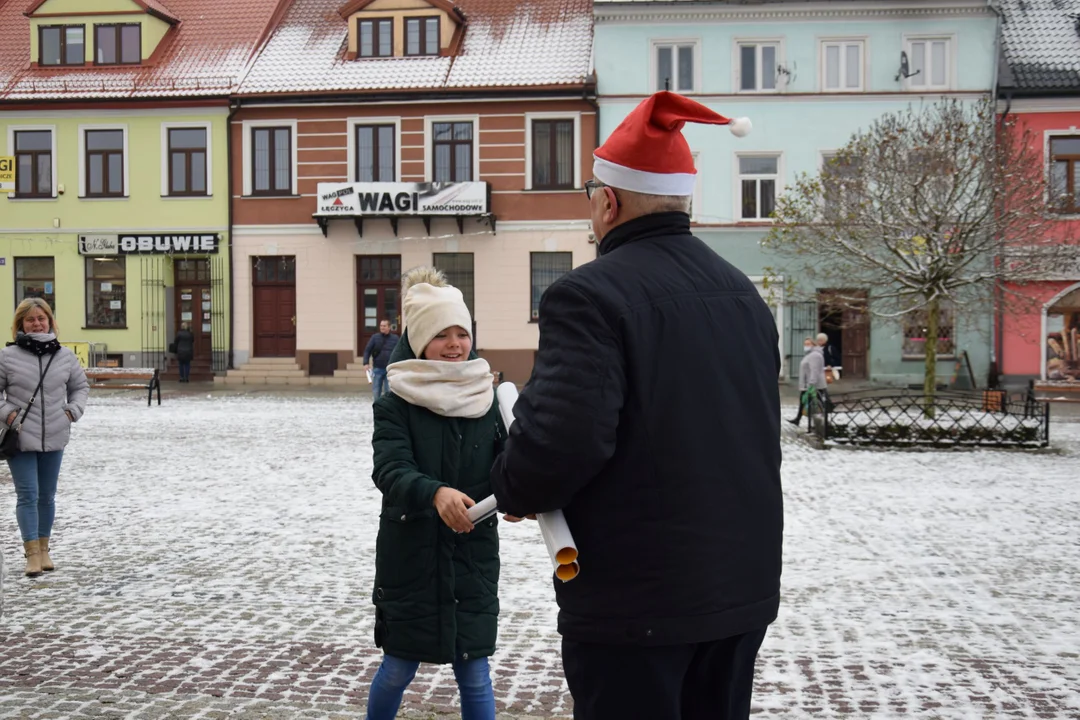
x,y
204,54
1041,44
506,44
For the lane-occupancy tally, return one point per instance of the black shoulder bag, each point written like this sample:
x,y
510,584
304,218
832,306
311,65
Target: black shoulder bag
x,y
9,435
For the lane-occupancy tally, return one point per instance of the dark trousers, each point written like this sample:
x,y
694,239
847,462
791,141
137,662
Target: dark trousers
x,y
703,681
185,370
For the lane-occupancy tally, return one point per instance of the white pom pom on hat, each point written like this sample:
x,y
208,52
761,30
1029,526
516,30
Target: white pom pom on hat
x,y
647,152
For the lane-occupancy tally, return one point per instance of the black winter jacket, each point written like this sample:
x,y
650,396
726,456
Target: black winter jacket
x,y
379,349
652,418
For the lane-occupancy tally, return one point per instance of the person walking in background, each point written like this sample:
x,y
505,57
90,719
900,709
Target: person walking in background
x,y
377,356
45,391
660,444
436,436
832,359
812,380
185,351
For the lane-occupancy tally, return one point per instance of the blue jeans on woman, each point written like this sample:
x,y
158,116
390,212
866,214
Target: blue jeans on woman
x,y
35,475
395,674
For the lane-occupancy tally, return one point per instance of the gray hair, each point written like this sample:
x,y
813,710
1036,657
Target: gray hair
x,y
648,204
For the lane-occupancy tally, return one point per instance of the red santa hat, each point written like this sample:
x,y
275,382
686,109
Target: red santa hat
x,y
648,154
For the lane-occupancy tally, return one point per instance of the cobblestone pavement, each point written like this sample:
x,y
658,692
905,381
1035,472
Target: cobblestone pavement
x,y
215,561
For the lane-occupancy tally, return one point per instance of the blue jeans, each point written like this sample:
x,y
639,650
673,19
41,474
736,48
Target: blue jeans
x,y
35,475
380,386
394,675
185,370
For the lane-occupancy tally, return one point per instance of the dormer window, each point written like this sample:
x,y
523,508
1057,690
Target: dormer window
x,y
61,45
376,38
422,36
118,44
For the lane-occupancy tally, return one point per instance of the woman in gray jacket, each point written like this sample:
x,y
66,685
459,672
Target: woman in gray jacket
x,y
44,430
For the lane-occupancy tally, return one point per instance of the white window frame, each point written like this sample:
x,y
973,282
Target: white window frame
x,y
842,43
82,159
736,64
350,144
165,128
779,186
529,118
249,181
654,65
11,130
950,62
429,160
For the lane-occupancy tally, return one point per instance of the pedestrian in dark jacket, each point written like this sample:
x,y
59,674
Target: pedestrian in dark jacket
x,y
377,354
185,351
436,436
658,441
44,425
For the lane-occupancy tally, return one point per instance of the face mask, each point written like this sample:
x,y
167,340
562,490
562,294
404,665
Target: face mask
x,y
807,348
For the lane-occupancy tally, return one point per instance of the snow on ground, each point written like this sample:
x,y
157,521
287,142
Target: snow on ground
x,y
215,556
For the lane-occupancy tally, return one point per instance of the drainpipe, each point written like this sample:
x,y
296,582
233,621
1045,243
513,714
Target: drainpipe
x,y
233,108
996,340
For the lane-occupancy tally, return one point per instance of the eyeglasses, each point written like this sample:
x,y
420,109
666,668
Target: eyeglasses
x,y
592,186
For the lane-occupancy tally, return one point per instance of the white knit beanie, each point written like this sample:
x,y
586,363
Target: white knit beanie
x,y
430,306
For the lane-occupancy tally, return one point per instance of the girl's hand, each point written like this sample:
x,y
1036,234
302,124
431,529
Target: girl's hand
x,y
453,506
11,418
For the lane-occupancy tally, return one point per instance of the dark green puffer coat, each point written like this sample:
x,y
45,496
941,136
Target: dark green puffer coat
x,y
436,592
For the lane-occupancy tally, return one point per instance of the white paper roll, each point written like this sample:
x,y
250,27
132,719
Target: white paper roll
x,y
483,510
557,538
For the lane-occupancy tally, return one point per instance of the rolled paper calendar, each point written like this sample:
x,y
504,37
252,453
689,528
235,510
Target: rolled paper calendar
x,y
482,510
553,527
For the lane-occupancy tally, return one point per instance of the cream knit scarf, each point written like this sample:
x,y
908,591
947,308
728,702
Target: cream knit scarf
x,y
450,389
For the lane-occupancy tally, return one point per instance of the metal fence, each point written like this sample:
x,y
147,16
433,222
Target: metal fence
x,y
988,418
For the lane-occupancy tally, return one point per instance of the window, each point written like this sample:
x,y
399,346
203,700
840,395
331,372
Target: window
x,y
928,63
104,163
1064,167
458,268
375,153
33,162
675,67
376,38
757,179
34,277
422,36
842,63
453,151
271,161
106,305
757,66
552,154
547,267
915,331
187,161
117,44
61,45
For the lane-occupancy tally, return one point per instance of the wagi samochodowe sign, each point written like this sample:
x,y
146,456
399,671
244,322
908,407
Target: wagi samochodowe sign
x,y
401,199
169,244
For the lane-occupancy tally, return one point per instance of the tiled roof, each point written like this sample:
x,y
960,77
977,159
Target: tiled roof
x,y
506,44
151,6
205,54
1041,44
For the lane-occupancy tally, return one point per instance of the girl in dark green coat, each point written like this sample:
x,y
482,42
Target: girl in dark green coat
x,y
436,436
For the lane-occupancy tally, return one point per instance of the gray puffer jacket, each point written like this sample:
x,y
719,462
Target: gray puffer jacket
x,y
65,389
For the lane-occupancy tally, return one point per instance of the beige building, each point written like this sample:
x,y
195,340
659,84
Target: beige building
x,y
384,145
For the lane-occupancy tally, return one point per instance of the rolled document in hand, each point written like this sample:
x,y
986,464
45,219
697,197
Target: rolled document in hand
x,y
557,537
483,510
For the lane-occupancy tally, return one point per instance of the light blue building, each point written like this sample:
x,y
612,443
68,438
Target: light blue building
x,y
808,74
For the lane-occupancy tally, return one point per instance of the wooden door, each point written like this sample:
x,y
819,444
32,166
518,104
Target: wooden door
x,y
192,304
855,334
378,295
273,293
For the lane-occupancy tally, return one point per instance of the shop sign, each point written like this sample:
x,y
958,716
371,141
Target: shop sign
x,y
402,199
149,244
7,174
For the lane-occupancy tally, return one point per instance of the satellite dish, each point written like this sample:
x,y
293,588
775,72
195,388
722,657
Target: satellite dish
x,y
905,68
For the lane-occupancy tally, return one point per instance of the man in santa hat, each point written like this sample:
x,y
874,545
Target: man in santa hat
x,y
652,419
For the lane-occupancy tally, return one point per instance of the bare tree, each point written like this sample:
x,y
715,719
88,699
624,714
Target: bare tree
x,y
945,206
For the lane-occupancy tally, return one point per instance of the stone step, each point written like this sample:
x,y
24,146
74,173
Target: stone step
x,y
272,361
351,373
232,379
259,367
246,373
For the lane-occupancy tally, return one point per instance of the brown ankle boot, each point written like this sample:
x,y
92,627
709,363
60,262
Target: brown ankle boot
x,y
43,550
33,558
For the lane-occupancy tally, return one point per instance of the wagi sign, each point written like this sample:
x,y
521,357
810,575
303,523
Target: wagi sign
x,y
7,174
402,199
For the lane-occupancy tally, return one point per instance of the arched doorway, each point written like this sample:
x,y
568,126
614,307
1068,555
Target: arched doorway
x,y
1061,336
